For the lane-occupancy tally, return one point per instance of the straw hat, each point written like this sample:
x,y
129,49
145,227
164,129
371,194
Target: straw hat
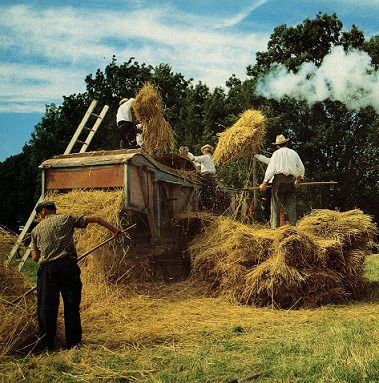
x,y
280,139
207,146
122,101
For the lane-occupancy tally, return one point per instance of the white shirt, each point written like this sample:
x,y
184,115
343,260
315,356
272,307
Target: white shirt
x,y
139,137
124,112
285,161
206,163
262,158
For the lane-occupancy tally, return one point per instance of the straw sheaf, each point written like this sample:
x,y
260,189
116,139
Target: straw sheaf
x,y
352,228
242,139
156,131
273,283
323,287
226,249
300,251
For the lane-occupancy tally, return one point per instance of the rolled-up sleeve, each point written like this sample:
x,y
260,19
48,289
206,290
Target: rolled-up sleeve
x,y
79,221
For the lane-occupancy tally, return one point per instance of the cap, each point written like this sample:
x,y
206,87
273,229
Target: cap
x,y
49,205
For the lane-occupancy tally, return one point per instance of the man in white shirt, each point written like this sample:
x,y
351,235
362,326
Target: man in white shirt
x,y
287,170
207,165
208,171
126,124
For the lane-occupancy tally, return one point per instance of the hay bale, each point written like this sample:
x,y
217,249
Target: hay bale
x,y
242,139
156,131
354,229
273,283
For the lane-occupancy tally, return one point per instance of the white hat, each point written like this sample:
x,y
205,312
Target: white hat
x,y
207,146
123,100
280,139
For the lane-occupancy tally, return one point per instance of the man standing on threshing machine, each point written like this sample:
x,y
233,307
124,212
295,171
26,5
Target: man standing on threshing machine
x,y
52,246
287,170
126,123
207,171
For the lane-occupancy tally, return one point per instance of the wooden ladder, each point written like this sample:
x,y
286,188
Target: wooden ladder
x,y
70,146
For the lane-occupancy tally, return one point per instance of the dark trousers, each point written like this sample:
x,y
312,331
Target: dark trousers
x,y
128,134
61,276
283,196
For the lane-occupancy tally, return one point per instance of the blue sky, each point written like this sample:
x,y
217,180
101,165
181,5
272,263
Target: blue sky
x,y
48,47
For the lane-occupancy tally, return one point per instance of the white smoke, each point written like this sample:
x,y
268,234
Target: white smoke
x,y
347,77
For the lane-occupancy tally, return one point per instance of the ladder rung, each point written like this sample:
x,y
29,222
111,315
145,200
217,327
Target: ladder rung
x,y
91,130
81,142
96,115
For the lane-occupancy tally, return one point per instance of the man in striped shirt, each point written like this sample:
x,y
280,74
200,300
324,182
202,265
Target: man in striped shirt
x,y
52,246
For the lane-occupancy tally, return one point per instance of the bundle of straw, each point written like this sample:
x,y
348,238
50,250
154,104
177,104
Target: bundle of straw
x,y
156,131
318,262
242,139
225,250
273,283
352,228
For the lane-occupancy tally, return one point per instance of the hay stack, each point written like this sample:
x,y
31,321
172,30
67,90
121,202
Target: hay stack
x,y
156,131
242,139
318,262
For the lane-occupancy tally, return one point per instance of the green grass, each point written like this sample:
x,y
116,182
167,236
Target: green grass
x,y
330,344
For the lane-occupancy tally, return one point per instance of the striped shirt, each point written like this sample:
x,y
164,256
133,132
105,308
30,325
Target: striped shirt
x,y
53,236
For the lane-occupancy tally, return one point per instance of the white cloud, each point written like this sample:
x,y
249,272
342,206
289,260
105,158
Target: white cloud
x,y
236,19
83,40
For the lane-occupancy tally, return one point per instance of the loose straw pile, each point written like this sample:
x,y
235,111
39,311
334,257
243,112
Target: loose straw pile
x,y
242,139
18,330
156,131
117,261
318,262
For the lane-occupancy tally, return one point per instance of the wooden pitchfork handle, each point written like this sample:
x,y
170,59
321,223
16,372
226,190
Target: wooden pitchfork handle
x,y
79,259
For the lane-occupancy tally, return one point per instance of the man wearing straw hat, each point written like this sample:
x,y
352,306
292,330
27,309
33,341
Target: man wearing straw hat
x,y
208,171
287,170
52,246
126,124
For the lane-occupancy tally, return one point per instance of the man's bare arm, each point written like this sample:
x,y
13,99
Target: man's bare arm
x,y
102,222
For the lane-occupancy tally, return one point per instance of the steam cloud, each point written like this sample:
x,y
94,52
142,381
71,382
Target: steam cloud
x,y
346,77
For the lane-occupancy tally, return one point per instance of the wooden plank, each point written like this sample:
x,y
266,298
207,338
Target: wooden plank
x,y
85,177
